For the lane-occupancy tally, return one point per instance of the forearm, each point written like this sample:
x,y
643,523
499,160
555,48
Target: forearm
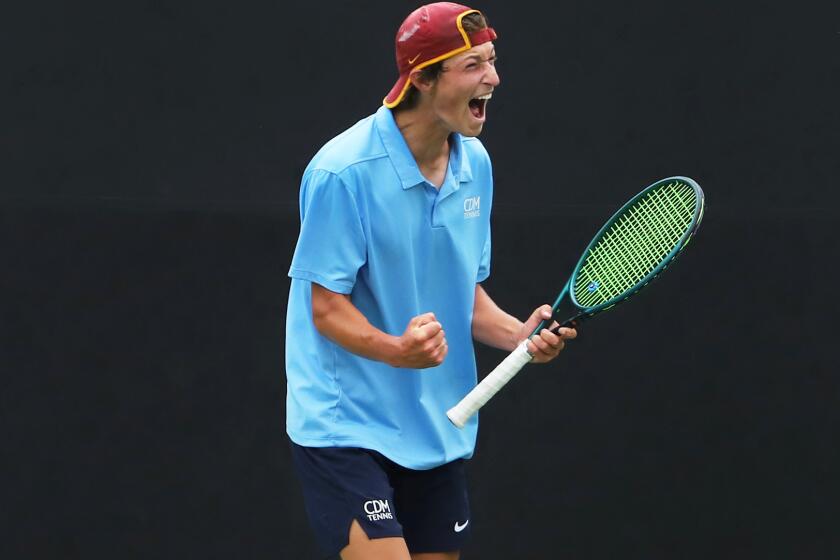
x,y
491,325
336,318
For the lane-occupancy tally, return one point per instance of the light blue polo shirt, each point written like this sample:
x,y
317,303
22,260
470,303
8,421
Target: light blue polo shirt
x,y
374,228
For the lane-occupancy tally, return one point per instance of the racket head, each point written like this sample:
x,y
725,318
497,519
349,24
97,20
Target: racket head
x,y
636,245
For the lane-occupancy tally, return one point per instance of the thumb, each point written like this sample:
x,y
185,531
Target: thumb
x,y
423,319
540,313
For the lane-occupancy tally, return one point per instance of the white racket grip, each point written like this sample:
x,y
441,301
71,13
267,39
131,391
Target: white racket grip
x,y
490,385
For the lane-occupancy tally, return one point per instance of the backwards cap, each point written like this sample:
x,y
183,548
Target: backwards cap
x,y
429,34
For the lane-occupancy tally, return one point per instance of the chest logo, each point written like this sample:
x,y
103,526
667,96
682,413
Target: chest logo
x,y
472,207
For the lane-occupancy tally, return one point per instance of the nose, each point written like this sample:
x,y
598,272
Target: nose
x,y
492,76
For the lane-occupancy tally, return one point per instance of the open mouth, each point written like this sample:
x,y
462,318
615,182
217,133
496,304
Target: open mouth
x,y
478,105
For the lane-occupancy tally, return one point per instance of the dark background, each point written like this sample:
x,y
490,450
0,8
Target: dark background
x,y
150,159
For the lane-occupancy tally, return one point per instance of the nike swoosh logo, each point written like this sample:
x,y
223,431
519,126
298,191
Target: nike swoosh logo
x,y
459,527
411,60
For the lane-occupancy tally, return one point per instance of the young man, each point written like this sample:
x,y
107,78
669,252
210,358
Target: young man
x,y
386,300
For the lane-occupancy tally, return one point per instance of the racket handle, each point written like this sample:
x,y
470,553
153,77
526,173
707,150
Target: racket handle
x,y
490,385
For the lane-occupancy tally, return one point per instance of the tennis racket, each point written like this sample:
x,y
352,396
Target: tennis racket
x,y
630,250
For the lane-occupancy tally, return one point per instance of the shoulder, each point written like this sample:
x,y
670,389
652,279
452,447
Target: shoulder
x,y
475,148
478,159
356,145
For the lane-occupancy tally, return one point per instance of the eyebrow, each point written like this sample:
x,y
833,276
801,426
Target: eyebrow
x,y
478,56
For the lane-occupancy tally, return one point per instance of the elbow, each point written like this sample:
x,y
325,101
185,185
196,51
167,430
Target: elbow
x,y
320,313
323,305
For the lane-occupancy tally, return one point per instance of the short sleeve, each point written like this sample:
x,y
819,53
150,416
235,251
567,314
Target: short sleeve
x,y
484,265
331,247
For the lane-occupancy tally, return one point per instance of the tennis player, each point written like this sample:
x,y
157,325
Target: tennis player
x,y
386,301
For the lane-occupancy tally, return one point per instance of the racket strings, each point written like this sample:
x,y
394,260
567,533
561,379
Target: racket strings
x,y
632,260
617,269
653,221
636,243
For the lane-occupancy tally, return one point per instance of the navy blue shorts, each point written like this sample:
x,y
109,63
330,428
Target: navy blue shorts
x,y
429,509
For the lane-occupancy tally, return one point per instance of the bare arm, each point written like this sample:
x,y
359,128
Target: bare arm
x,y
491,325
494,327
422,345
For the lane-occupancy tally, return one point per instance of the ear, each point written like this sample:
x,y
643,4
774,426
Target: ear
x,y
420,82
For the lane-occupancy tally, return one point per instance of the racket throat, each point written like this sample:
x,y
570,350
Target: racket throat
x,y
564,312
572,322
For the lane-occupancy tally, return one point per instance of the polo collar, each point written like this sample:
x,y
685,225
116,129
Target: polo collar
x,y
403,160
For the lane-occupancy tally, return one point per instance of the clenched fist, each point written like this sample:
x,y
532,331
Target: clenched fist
x,y
422,345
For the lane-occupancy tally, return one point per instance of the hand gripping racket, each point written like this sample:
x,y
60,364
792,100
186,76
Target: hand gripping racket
x,y
629,251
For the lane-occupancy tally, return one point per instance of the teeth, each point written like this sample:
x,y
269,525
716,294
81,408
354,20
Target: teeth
x,y
485,97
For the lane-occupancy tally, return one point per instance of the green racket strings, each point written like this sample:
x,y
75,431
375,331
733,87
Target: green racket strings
x,y
635,244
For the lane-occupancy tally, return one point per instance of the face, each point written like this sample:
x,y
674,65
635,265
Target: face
x,y
460,95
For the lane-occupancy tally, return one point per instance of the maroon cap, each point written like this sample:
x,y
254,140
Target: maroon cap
x,y
429,34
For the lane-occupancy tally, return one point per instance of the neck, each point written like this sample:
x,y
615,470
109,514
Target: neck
x,y
427,139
